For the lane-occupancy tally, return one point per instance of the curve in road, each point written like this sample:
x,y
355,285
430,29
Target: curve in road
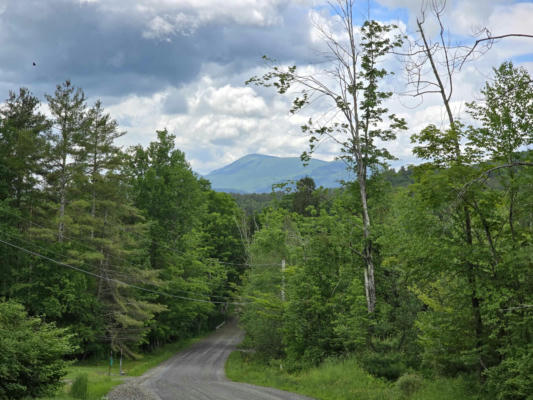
x,y
198,373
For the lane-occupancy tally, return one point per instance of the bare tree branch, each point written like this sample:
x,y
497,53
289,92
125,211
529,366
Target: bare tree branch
x,y
491,40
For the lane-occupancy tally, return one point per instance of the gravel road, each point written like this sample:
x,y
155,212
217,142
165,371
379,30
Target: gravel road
x,y
198,374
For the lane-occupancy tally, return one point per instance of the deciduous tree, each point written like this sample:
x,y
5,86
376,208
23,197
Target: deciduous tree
x,y
352,84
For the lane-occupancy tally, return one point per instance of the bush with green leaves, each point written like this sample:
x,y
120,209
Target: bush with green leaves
x,y
409,383
31,353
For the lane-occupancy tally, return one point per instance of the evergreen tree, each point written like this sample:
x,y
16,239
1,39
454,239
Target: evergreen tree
x,y
22,146
68,110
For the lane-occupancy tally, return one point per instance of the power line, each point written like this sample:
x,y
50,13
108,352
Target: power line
x,y
519,307
112,279
246,264
115,272
163,245
70,238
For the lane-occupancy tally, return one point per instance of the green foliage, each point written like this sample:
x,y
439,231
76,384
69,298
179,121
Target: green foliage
x,y
513,377
31,353
505,115
79,388
389,365
221,233
252,203
304,202
22,147
454,250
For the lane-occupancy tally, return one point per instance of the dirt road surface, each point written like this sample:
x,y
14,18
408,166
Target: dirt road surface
x,y
198,373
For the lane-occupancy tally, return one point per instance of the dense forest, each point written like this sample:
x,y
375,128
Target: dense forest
x,y
109,250
103,249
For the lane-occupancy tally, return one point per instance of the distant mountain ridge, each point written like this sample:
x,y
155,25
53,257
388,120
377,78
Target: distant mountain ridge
x,y
256,173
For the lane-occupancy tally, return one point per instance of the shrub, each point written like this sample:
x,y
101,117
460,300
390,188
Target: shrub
x,y
384,365
408,384
31,353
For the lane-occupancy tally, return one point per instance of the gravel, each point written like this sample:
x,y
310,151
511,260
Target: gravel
x,y
131,391
197,373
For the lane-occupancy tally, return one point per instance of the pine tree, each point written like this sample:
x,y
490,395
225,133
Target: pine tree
x,y
69,118
22,144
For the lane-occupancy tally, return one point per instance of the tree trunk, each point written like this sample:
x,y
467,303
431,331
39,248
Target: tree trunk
x,y
62,203
512,195
62,190
370,286
476,309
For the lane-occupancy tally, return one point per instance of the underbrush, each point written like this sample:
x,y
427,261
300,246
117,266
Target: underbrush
x,y
344,379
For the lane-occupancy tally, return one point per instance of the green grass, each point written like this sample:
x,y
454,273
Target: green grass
x,y
340,380
100,383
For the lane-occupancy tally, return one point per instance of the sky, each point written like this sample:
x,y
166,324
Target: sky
x,y
182,64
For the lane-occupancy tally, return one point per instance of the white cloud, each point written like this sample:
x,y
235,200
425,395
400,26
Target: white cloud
x,y
216,119
167,18
164,27
230,100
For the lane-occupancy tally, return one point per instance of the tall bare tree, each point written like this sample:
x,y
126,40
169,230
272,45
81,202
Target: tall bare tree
x,y
350,84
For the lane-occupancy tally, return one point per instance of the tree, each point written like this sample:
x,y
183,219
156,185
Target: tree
x,y
221,234
68,110
99,153
102,212
31,354
506,117
303,197
170,196
167,190
443,146
352,86
22,146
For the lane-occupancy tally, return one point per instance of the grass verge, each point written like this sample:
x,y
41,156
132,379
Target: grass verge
x,y
341,380
100,383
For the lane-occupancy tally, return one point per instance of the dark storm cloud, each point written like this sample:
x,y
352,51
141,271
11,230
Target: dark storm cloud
x,y
106,53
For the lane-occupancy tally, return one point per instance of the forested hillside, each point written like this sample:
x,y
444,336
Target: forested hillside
x,y
123,249
256,173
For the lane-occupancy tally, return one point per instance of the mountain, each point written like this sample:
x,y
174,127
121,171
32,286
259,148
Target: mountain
x,y
256,173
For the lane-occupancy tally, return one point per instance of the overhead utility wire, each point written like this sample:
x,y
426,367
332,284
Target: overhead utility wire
x,y
180,253
82,244
116,272
246,264
112,279
70,238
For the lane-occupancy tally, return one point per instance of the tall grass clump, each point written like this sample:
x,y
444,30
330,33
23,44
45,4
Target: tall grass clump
x,y
80,387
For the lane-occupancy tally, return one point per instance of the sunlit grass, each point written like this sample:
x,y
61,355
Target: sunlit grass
x,y
340,380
